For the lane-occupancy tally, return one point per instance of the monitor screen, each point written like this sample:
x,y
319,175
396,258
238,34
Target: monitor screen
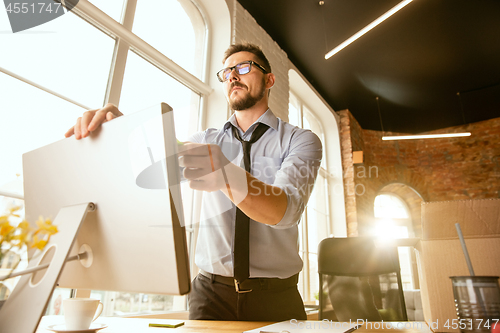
x,y
129,169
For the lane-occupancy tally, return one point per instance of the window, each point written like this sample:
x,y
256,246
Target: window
x,y
315,225
393,220
131,53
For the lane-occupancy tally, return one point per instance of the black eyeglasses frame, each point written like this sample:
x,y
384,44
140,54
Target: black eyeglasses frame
x,y
251,62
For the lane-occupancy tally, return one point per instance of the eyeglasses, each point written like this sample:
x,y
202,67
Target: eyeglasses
x,y
242,68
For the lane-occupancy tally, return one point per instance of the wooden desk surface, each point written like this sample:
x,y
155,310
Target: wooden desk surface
x,y
140,325
207,326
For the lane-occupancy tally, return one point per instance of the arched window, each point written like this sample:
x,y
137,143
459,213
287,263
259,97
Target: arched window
x,y
132,53
393,220
315,223
325,212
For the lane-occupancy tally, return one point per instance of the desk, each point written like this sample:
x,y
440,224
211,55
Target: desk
x,y
139,325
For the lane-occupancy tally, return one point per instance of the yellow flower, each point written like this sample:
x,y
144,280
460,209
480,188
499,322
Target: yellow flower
x,y
39,243
5,228
46,226
23,235
24,226
14,209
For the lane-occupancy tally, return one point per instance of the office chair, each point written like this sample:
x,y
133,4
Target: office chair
x,y
359,280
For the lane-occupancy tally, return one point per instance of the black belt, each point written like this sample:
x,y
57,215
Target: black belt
x,y
251,284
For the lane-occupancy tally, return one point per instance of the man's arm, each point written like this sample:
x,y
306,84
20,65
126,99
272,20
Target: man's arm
x,y
207,169
264,203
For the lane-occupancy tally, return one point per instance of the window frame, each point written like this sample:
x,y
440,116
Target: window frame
x,y
406,257
306,275
126,40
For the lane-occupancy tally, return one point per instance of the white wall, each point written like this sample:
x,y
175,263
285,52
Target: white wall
x,y
218,23
245,29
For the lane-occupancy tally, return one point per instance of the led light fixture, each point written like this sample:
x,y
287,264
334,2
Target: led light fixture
x,y
425,136
368,28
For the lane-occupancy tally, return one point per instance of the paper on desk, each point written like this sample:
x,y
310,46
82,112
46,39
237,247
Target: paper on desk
x,y
306,326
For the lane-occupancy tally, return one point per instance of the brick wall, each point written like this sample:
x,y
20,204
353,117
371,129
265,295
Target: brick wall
x,y
436,169
246,29
347,142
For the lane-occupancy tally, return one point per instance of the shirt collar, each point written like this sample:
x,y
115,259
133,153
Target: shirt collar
x,y
267,118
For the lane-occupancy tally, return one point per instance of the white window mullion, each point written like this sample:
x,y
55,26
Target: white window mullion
x,y
117,71
39,86
329,227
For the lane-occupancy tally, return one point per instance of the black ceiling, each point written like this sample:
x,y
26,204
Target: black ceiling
x,y
415,62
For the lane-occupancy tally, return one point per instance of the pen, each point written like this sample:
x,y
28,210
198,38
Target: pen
x,y
352,329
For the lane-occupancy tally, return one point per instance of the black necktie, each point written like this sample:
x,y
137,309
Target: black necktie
x,y
241,250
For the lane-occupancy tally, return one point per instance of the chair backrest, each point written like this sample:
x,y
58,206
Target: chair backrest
x,y
359,280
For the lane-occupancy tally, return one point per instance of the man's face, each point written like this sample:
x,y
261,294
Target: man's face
x,y
244,91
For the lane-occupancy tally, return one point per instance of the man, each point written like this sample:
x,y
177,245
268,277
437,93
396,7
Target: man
x,y
248,270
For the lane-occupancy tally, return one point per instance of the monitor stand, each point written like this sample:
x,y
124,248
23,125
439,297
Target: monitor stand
x,y
27,303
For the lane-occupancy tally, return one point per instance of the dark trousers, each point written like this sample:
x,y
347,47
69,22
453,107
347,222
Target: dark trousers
x,y
211,300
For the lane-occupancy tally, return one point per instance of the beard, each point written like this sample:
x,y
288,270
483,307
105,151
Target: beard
x,y
247,101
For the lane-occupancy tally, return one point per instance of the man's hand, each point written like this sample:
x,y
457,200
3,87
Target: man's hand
x,y
91,120
204,166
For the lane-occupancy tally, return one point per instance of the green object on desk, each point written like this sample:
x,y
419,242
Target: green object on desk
x,y
166,325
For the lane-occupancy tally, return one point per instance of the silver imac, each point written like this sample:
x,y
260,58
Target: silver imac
x,y
135,238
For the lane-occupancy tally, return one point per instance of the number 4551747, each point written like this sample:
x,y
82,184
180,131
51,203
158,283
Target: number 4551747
x,y
35,8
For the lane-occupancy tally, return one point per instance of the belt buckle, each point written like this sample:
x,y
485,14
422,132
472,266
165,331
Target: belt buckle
x,y
238,288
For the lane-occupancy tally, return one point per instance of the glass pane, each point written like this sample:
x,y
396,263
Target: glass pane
x,y
312,230
317,228
312,123
305,123
165,25
390,206
293,110
124,303
35,119
318,196
145,85
55,307
293,115
406,269
113,8
66,55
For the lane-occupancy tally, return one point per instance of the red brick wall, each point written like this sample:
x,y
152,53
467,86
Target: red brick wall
x,y
348,174
437,169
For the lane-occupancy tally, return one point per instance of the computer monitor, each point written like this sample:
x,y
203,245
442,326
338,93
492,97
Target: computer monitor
x,y
129,170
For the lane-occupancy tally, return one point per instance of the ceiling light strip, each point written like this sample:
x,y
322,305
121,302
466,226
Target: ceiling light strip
x,y
368,28
425,136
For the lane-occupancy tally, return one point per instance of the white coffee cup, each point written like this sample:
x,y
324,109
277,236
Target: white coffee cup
x,y
79,313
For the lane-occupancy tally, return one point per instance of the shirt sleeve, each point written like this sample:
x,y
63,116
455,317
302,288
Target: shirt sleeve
x,y
297,175
197,137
